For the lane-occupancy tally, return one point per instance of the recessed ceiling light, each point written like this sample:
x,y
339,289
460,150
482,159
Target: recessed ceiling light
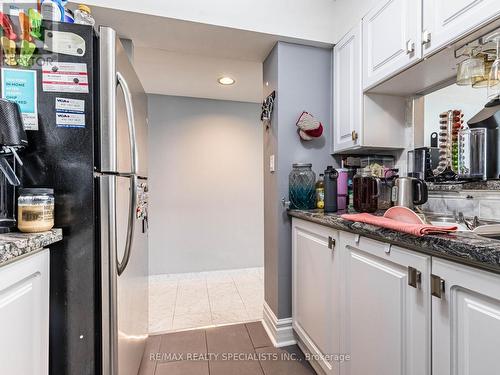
x,y
226,81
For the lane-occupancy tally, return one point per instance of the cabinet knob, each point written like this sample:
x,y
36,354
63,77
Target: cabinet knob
x,y
437,286
426,37
331,243
354,135
410,47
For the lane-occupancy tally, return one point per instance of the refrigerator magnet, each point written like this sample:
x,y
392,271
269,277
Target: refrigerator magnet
x,y
64,43
20,86
70,120
70,113
65,77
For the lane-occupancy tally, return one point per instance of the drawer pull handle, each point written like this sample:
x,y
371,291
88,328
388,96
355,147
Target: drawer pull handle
x,y
414,277
410,47
437,286
426,37
331,243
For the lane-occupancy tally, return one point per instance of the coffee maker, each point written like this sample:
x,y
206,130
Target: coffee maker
x,y
421,162
479,157
12,140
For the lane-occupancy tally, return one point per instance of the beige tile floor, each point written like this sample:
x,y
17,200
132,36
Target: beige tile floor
x,y
194,300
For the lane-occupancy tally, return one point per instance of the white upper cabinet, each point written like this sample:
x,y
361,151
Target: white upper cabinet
x,y
446,20
465,320
391,39
347,91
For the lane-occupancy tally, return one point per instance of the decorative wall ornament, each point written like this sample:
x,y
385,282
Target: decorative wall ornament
x,y
309,127
267,109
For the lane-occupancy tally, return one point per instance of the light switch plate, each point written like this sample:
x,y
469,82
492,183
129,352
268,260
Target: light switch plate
x,y
271,164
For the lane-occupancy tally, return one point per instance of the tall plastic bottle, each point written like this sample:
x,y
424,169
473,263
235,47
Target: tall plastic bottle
x,y
331,176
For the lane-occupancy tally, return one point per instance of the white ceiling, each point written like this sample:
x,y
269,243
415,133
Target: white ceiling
x,y
175,57
305,19
174,73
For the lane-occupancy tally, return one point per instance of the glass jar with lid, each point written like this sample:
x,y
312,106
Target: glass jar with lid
x,y
35,210
302,187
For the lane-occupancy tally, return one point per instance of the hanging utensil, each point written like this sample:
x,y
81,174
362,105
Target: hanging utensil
x,y
8,172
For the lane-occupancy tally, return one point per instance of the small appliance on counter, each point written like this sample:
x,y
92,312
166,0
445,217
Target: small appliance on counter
x,y
409,192
12,140
480,146
422,161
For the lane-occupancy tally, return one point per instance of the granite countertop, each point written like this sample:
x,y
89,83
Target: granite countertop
x,y
15,245
463,247
464,186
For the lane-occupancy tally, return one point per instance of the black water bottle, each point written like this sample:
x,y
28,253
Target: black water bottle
x,y
331,175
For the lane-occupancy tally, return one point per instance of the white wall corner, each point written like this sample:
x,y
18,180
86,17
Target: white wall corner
x,y
280,331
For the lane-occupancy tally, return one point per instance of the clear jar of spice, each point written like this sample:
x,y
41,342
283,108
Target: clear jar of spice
x,y
35,210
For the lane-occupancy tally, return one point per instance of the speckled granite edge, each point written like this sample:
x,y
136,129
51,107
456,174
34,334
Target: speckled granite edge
x,y
463,247
15,245
473,185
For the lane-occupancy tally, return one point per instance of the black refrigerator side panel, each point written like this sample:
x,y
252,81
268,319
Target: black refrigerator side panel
x,y
63,158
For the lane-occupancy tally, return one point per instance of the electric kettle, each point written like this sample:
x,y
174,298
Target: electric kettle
x,y
409,192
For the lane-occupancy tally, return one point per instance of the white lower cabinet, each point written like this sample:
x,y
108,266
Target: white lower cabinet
x,y
386,325
316,288
24,316
381,305
465,320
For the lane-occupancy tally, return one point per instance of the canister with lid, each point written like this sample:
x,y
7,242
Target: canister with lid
x,y
35,210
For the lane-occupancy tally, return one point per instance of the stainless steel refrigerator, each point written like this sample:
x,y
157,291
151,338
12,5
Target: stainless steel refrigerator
x,y
98,169
123,209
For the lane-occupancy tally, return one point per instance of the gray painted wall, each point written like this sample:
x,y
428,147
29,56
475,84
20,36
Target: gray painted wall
x,y
206,180
302,78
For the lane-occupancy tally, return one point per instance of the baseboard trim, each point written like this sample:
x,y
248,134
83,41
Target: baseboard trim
x,y
314,364
280,331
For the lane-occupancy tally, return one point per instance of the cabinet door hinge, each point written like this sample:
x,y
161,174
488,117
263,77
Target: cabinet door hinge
x,y
437,286
331,243
414,277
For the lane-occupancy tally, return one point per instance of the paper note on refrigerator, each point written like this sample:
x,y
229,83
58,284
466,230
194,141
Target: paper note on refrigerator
x,y
65,77
20,86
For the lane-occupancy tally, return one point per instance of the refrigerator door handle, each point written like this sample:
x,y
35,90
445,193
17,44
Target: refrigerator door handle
x,y
121,266
122,83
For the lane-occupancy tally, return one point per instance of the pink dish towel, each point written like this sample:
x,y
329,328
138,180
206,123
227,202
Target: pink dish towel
x,y
415,229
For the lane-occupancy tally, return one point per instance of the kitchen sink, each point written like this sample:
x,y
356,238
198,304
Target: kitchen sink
x,y
484,228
